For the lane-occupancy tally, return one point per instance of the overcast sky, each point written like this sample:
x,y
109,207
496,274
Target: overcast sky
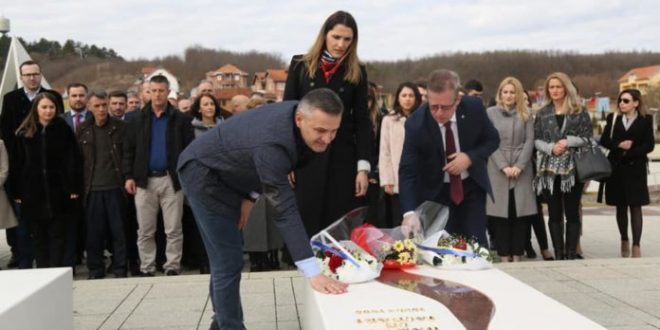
x,y
389,30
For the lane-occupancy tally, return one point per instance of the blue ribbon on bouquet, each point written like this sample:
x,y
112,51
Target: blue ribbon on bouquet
x,y
450,252
324,248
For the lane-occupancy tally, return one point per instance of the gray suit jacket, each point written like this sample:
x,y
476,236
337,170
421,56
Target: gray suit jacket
x,y
255,151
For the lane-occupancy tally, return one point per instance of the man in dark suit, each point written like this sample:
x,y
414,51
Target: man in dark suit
x,y
15,107
446,149
76,232
77,96
224,169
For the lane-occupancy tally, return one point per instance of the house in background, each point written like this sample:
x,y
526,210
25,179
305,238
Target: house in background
x,y
229,81
270,84
228,76
150,71
641,78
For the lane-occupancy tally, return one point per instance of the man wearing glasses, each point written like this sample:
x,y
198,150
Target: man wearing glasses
x,y
15,107
446,149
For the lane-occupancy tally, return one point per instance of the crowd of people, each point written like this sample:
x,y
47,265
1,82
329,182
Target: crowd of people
x,y
106,175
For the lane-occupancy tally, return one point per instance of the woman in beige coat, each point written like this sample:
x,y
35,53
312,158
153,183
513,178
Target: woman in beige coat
x,y
510,170
392,133
7,217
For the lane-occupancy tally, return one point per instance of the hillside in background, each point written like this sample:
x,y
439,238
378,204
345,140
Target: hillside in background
x,y
591,73
103,68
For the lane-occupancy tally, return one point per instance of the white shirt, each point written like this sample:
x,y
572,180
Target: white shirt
x,y
454,129
30,94
83,115
628,122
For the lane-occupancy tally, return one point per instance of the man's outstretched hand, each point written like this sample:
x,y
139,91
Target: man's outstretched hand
x,y
323,284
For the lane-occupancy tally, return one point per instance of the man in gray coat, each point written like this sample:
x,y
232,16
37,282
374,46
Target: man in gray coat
x,y
223,171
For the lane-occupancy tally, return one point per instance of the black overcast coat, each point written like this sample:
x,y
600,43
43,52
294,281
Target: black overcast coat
x,y
325,188
627,186
45,171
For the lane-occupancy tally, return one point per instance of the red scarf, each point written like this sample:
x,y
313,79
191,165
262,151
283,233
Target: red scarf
x,y
329,68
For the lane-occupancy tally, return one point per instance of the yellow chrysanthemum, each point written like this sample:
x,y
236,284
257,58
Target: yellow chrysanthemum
x,y
404,257
409,244
398,246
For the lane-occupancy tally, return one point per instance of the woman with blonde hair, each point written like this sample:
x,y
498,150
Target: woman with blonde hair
x,y
629,137
510,170
335,182
562,127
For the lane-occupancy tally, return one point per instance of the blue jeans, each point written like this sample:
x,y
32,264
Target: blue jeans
x,y
216,208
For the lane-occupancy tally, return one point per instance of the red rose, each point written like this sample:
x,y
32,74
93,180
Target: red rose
x,y
461,244
335,262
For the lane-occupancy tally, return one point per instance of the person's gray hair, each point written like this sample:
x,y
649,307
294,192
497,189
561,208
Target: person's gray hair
x,y
97,94
442,80
322,99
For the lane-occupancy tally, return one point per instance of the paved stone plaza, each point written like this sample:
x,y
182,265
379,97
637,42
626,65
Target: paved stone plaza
x,y
614,292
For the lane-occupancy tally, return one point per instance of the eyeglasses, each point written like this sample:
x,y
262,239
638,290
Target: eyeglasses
x,y
31,75
625,101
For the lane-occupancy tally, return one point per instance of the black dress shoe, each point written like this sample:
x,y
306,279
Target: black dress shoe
x,y
171,272
204,269
579,256
134,269
147,274
120,274
13,262
531,254
274,259
95,276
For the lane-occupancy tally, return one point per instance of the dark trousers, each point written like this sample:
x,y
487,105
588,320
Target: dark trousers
x,y
564,203
49,240
467,219
130,232
537,223
217,210
393,210
568,204
12,240
194,253
510,232
105,215
24,240
376,202
75,235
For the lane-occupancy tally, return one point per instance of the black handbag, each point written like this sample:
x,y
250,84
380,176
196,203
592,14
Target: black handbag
x,y
591,163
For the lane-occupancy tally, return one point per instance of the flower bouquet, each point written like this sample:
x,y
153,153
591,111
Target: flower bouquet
x,y
339,257
388,245
447,251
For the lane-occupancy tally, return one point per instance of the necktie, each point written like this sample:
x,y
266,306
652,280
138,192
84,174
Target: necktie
x,y
455,182
77,122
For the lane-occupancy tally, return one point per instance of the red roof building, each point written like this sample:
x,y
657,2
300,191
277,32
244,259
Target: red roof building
x,y
270,83
641,78
228,76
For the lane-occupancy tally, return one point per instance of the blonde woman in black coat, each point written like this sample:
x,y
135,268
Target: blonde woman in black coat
x,y
47,178
629,141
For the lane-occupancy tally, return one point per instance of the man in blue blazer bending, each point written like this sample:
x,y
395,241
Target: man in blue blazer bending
x,y
445,153
224,170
